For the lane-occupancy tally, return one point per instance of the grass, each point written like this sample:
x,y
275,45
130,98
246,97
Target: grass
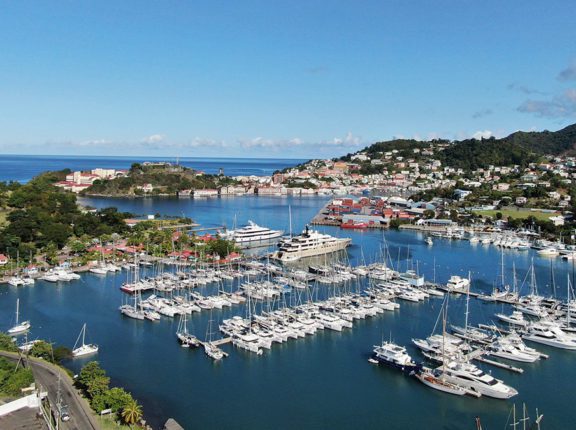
x,y
516,213
3,215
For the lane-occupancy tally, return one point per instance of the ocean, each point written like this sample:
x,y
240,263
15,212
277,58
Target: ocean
x,y
319,382
22,168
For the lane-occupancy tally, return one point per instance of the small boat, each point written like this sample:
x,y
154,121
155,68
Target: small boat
x,y
16,281
84,349
213,351
185,338
429,241
99,270
550,251
517,318
457,284
395,356
210,349
19,327
551,336
353,225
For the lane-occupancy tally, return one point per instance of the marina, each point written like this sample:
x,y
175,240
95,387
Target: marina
x,y
372,260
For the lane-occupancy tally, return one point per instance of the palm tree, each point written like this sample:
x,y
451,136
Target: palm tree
x,y
132,413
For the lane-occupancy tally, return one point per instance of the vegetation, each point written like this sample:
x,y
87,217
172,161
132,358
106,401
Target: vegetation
x,y
93,381
165,179
13,378
42,218
7,344
472,154
515,214
519,148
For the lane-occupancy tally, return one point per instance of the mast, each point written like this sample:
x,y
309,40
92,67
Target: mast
x,y
568,299
467,304
17,308
290,219
502,282
444,340
514,281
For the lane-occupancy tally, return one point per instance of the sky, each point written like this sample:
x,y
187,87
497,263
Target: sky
x,y
281,79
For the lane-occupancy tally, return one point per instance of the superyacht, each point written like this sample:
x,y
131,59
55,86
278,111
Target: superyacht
x,y
252,235
309,244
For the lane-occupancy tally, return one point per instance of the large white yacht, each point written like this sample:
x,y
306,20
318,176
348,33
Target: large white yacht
x,y
309,244
471,377
252,235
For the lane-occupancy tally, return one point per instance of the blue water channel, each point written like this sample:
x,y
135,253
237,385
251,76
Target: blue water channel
x,y
322,381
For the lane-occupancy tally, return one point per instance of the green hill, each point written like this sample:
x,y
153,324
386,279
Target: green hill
x,y
518,148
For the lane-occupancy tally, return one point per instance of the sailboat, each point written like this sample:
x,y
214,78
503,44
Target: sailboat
x,y
184,337
133,311
435,378
19,327
210,348
502,293
84,349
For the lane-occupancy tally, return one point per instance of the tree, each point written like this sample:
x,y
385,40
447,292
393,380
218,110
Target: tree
x,y
42,350
221,247
429,214
93,380
118,399
62,353
132,413
7,344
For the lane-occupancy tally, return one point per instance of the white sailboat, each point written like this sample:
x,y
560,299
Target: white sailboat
x,y
436,378
84,349
210,348
19,327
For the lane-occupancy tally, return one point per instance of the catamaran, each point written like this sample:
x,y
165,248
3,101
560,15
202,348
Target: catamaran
x,y
19,327
84,349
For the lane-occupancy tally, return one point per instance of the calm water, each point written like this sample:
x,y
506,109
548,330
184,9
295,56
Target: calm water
x,y
22,168
323,381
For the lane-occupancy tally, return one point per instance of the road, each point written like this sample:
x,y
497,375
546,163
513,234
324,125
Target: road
x,y
46,375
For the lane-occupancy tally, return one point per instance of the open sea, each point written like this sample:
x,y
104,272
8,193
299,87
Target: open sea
x,y
320,382
22,168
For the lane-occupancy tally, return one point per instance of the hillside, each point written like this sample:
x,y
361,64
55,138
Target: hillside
x,y
165,179
518,148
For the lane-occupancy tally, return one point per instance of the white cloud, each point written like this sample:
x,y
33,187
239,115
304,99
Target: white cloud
x,y
155,138
348,140
482,134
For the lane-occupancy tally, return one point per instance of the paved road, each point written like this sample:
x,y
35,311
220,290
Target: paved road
x,y
46,375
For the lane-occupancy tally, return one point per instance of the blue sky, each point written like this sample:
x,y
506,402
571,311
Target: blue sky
x,y
279,78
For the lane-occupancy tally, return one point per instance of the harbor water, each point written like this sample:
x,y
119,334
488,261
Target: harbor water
x,y
321,381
